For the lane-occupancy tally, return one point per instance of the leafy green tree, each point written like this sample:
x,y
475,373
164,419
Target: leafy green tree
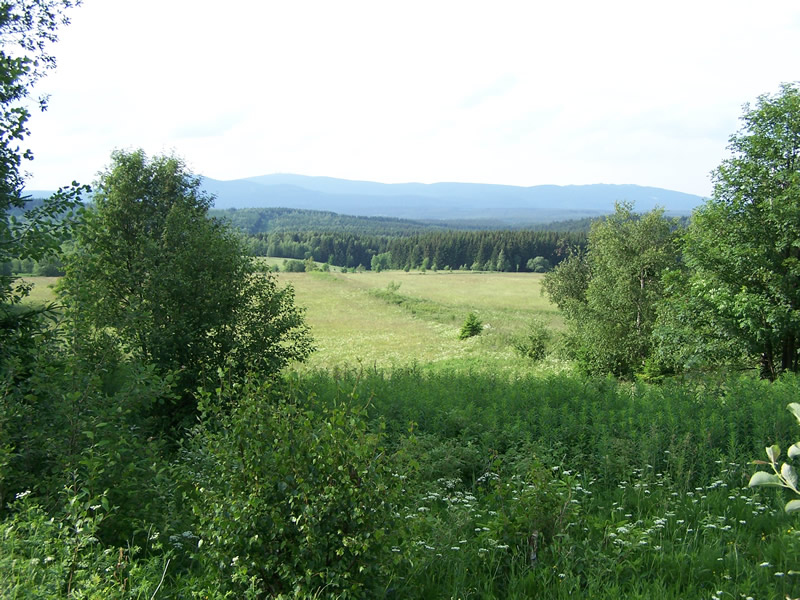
x,y
740,293
609,296
381,262
533,343
35,230
173,287
566,284
539,264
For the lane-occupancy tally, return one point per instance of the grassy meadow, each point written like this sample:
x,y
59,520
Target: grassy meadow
x,y
505,478
396,319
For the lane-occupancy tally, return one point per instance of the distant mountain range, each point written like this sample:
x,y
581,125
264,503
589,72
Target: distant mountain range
x,y
439,201
446,201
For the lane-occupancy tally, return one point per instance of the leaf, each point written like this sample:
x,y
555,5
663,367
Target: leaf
x,y
773,452
794,450
794,407
766,479
792,505
789,474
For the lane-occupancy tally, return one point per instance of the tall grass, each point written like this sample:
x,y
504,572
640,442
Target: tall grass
x,y
632,490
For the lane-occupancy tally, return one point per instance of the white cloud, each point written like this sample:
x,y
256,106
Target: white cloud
x,y
510,92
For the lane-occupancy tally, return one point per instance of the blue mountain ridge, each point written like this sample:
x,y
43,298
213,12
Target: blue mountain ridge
x,y
540,203
438,201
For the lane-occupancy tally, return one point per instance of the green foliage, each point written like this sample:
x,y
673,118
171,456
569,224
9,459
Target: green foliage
x,y
472,326
539,264
609,297
381,262
786,476
173,287
29,231
504,250
290,498
655,505
61,556
566,285
533,343
309,265
83,418
739,293
294,266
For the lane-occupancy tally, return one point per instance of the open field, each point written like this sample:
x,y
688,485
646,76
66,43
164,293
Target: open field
x,y
366,319
42,291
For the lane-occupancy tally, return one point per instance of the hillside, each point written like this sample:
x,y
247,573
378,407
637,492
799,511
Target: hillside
x,y
442,201
461,205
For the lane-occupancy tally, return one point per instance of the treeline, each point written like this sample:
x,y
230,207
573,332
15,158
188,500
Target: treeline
x,y
476,250
256,220
272,219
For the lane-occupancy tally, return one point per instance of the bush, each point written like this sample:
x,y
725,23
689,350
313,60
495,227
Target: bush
x,y
472,326
290,499
533,344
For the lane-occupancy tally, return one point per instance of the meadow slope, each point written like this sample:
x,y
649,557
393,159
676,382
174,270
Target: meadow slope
x,y
366,319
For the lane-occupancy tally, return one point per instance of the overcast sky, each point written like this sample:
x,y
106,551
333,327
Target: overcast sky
x,y
521,93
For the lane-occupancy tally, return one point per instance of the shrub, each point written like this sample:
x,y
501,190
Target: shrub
x,y
472,326
290,499
533,343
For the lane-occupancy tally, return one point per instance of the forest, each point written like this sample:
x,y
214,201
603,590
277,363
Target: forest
x,y
499,250
609,413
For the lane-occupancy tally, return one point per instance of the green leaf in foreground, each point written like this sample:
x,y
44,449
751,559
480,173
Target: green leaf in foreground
x,y
794,407
794,450
767,479
773,452
792,505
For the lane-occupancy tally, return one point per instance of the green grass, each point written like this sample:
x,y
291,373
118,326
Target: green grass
x,y
42,291
630,498
357,319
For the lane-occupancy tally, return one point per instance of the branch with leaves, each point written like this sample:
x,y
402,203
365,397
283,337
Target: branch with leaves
x,y
786,476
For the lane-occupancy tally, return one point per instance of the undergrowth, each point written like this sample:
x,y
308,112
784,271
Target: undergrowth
x,y
409,484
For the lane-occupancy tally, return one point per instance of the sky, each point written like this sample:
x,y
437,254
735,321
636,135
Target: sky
x,y
518,93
